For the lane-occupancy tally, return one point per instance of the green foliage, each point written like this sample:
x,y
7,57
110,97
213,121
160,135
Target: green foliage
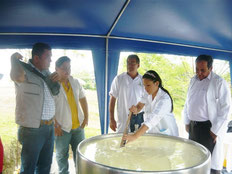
x,y
86,80
90,132
11,146
175,73
226,76
175,77
12,151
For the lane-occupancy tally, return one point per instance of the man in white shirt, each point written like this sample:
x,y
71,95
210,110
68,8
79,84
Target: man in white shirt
x,y
207,109
127,88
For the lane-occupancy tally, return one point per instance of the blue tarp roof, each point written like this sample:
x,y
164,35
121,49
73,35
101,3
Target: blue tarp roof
x,y
109,26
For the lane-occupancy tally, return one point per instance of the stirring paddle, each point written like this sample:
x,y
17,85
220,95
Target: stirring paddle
x,y
126,130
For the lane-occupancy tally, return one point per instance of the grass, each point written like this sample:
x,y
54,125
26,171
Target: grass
x,y
90,132
8,127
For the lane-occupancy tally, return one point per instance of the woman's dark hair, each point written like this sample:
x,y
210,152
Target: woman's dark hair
x,y
154,76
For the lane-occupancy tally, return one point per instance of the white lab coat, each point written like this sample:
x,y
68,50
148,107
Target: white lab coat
x,y
219,101
157,114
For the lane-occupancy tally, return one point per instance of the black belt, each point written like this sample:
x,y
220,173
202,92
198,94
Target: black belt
x,y
200,122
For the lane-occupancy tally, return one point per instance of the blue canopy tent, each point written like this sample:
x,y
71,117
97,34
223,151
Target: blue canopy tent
x,y
107,27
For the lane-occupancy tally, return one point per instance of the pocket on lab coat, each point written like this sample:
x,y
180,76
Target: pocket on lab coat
x,y
165,131
168,125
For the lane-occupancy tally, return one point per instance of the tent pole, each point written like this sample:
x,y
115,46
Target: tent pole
x,y
107,57
116,37
118,17
230,63
170,43
53,34
106,82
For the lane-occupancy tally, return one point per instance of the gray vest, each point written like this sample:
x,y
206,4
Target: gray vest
x,y
29,101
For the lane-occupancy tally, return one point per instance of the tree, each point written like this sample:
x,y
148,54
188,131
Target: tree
x,y
175,77
175,74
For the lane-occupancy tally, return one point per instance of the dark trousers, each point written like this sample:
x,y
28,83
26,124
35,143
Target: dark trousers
x,y
200,132
136,119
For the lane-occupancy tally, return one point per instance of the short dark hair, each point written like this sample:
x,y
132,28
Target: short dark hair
x,y
134,56
206,58
61,60
38,48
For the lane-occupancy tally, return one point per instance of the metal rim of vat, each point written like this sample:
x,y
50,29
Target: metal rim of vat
x,y
204,149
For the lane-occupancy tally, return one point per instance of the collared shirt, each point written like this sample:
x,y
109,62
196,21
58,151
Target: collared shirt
x,y
157,113
155,109
72,104
197,100
49,103
63,111
133,88
128,92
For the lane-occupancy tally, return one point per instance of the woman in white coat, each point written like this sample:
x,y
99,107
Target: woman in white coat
x,y
158,116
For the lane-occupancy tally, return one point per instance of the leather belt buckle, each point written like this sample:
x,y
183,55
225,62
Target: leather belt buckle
x,y
46,122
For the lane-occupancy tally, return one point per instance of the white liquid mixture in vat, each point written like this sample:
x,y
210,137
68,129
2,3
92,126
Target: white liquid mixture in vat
x,y
147,153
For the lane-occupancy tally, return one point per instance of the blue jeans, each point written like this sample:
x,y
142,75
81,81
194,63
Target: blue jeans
x,y
74,137
136,119
37,149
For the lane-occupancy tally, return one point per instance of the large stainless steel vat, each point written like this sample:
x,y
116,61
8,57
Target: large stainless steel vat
x,y
87,166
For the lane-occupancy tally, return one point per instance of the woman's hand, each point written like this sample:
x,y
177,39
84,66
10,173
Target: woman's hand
x,y
129,138
134,109
137,134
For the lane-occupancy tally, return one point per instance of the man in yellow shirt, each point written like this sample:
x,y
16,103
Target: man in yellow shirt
x,y
71,114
